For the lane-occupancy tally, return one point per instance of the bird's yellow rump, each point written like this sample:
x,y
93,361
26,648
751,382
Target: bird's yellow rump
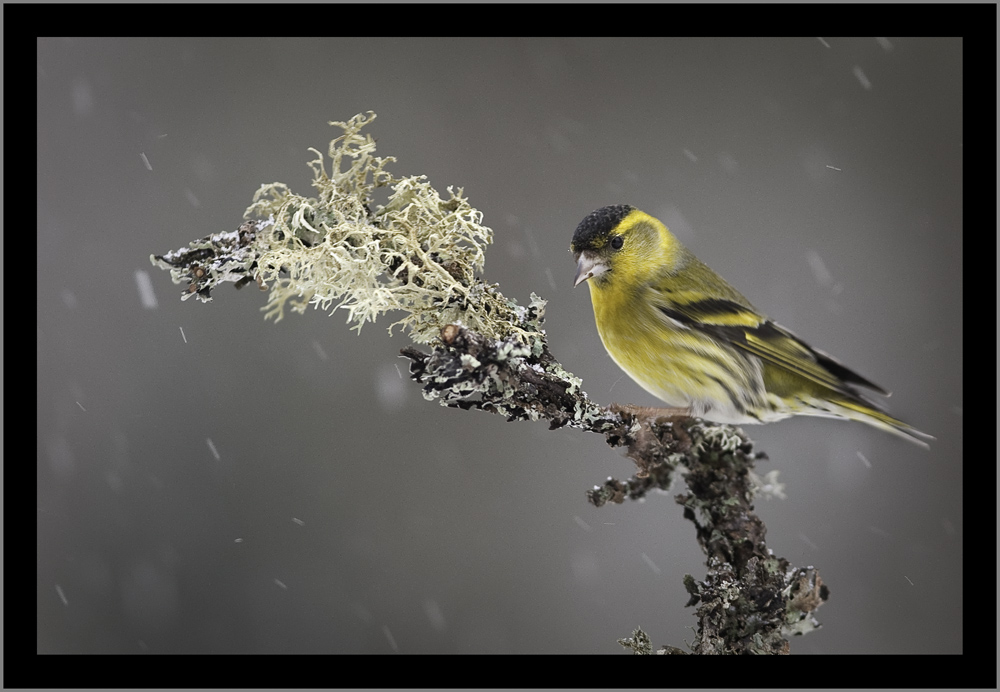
x,y
688,337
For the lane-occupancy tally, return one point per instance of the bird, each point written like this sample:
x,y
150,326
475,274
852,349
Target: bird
x,y
689,338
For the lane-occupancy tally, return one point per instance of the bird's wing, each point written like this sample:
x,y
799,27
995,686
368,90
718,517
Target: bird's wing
x,y
745,328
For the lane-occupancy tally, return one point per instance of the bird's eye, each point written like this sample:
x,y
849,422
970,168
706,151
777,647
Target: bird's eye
x,y
617,242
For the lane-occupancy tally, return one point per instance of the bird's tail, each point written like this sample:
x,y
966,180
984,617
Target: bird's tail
x,y
861,410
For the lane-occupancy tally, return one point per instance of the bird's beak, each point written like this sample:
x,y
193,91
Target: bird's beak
x,y
588,266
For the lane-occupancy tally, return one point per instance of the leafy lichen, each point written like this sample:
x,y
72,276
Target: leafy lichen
x,y
520,381
207,262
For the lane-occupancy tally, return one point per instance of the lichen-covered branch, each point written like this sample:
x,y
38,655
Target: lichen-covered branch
x,y
750,600
418,255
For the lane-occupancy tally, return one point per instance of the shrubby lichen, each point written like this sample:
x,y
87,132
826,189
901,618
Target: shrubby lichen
x,y
418,253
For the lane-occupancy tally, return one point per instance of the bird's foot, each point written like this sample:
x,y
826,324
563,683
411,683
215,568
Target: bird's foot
x,y
651,416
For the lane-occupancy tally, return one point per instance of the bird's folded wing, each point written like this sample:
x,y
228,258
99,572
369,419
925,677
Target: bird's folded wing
x,y
745,328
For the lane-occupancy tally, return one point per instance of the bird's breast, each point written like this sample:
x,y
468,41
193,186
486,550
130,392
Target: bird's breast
x,y
681,366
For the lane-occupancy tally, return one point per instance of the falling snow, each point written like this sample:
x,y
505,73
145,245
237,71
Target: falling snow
x,y
391,390
819,270
433,611
319,350
388,635
146,295
552,281
652,565
862,78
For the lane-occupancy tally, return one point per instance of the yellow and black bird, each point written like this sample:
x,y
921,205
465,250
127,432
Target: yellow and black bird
x,y
689,338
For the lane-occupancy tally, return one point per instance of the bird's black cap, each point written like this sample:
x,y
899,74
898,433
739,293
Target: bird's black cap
x,y
593,231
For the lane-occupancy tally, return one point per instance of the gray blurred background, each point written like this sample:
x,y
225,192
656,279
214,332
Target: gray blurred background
x,y
210,482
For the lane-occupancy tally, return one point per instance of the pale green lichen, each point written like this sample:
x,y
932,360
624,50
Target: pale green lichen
x,y
417,253
718,437
803,594
639,643
216,259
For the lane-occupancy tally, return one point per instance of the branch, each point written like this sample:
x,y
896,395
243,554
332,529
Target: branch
x,y
419,254
750,600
